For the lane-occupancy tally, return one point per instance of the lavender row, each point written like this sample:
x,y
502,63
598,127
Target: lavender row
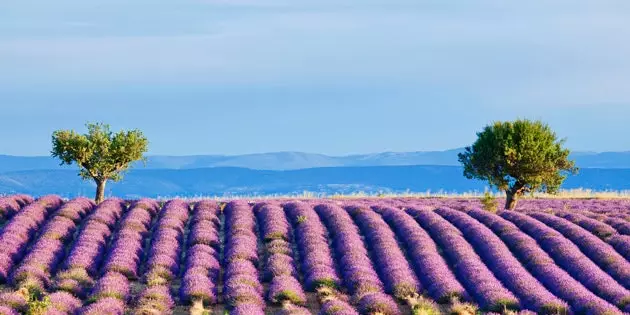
x,y
88,250
532,294
312,242
478,280
543,267
622,244
596,227
280,266
10,205
16,235
126,250
357,270
162,265
111,292
621,225
59,303
568,256
35,270
597,250
242,289
429,265
202,265
389,260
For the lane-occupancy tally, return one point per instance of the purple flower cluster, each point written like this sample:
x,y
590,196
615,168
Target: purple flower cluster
x,y
622,244
280,266
108,306
63,303
312,243
622,226
202,257
290,309
5,310
601,230
597,250
86,254
16,235
543,267
10,205
497,256
15,301
478,280
568,256
156,299
163,260
112,284
49,249
242,288
359,275
274,224
123,261
388,258
429,265
337,307
126,251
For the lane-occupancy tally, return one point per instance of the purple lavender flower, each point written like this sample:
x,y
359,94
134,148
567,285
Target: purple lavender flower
x,y
337,307
273,223
247,309
596,249
479,281
197,286
240,255
310,236
543,267
155,299
571,258
65,302
105,306
505,266
601,230
5,310
378,303
622,226
113,285
286,288
622,244
431,268
14,300
389,260
202,259
359,275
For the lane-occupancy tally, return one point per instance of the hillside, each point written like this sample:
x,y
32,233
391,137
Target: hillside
x,y
301,160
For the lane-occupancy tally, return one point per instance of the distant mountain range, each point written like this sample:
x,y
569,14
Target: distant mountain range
x,y
230,181
300,160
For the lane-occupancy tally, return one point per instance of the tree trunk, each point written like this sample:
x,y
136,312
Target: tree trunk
x,y
100,190
510,199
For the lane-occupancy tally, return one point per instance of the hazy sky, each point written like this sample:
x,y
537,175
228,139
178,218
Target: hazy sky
x,y
324,76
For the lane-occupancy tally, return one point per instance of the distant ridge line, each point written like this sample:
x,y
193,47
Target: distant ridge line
x,y
291,160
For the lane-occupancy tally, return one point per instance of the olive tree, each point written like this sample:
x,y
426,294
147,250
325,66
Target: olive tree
x,y
100,154
518,157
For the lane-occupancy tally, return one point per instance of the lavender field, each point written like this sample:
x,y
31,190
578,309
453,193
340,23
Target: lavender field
x,y
315,256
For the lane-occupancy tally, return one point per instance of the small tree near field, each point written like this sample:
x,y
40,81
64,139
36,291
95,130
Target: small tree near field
x,y
100,154
518,157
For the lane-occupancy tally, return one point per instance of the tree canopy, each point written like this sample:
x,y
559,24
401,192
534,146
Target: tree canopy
x,y
100,154
518,157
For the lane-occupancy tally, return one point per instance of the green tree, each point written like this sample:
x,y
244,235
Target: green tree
x,y
100,154
518,157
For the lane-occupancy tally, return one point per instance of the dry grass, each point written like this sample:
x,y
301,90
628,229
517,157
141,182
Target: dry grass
x,y
579,193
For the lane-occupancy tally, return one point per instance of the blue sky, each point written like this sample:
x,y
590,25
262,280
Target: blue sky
x,y
325,76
